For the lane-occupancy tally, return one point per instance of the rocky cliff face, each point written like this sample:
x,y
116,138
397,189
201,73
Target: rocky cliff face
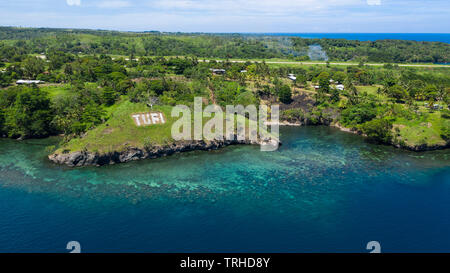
x,y
85,158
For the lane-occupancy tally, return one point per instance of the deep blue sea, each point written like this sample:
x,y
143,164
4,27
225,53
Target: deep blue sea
x,y
323,191
425,37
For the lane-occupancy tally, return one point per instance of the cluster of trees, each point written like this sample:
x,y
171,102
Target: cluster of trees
x,y
139,44
396,51
98,81
27,111
28,40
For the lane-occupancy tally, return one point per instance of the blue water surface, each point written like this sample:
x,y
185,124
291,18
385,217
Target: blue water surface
x,y
323,191
421,37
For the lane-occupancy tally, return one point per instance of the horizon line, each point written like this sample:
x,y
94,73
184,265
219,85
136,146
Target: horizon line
x,y
205,32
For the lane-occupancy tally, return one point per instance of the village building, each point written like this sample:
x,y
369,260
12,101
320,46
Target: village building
x,y
218,71
340,87
29,82
437,107
292,77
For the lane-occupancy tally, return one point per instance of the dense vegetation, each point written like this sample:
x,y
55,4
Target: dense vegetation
x,y
390,104
131,44
390,51
20,41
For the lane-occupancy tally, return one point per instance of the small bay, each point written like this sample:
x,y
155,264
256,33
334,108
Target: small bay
x,y
323,191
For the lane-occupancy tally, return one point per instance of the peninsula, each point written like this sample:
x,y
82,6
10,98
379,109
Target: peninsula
x,y
92,88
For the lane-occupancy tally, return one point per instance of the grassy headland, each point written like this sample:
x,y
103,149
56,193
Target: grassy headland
x,y
94,80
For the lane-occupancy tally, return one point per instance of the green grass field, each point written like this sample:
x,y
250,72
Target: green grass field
x,y
426,130
56,89
120,131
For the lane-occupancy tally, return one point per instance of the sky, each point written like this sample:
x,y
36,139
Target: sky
x,y
260,16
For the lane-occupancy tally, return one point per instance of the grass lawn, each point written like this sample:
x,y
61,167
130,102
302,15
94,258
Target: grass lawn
x,y
372,90
56,89
120,131
420,131
60,89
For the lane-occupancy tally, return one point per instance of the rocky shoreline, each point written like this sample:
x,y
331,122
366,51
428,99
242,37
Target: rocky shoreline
x,y
416,148
423,147
86,158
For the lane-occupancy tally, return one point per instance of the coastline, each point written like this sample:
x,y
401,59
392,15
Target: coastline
x,y
414,148
86,158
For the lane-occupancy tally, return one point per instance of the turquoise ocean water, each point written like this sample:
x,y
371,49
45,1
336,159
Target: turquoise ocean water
x,y
323,191
421,37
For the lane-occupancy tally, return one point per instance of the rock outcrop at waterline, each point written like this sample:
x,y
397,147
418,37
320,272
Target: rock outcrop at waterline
x,y
86,158
423,147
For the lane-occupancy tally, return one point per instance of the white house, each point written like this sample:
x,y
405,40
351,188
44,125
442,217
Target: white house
x,y
437,107
292,77
340,87
218,71
29,82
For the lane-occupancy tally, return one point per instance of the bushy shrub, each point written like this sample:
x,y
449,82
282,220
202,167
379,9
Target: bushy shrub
x,y
445,130
358,114
30,114
378,130
292,115
446,114
285,95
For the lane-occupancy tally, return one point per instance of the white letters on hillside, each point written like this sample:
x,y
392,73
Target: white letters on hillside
x,y
145,119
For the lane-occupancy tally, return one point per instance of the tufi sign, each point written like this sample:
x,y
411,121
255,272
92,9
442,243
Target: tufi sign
x,y
145,119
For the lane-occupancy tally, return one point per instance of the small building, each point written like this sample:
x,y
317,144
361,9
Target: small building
x,y
243,71
317,87
437,107
218,71
29,82
340,87
292,77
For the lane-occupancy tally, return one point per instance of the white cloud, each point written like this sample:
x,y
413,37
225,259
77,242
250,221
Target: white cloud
x,y
250,7
236,15
374,2
115,4
73,2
